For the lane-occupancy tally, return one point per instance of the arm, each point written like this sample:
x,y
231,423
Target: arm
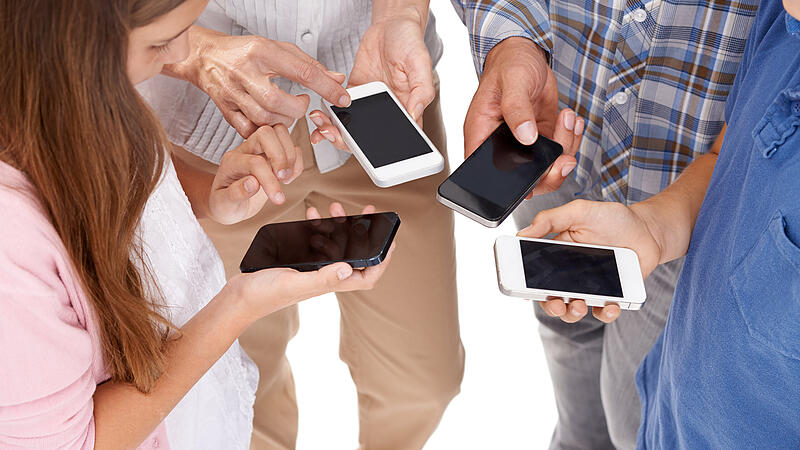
x,y
659,229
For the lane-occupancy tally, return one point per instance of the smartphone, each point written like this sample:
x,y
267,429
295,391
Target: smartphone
x,y
495,179
542,268
384,138
308,245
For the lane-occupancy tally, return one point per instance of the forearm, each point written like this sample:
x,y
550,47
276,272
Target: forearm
x,y
672,214
196,179
418,9
124,417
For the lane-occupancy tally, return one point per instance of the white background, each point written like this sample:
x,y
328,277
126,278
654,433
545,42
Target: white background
x,y
506,399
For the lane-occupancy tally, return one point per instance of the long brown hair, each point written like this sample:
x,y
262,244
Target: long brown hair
x,y
71,120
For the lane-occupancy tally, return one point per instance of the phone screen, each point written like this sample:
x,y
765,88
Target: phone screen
x,y
501,172
557,267
381,130
361,240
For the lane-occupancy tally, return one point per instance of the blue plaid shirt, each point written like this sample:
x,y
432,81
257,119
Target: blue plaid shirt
x,y
651,77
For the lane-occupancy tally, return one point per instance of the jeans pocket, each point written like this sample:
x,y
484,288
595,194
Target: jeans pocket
x,y
766,286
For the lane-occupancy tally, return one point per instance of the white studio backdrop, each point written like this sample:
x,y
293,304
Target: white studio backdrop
x,y
506,399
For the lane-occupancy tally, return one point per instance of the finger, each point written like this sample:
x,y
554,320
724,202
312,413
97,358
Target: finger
x,y
555,176
327,247
518,110
259,113
557,220
291,151
270,145
367,278
576,310
422,91
260,168
338,76
483,116
369,209
270,97
608,313
301,68
243,189
337,210
312,214
244,126
554,307
326,130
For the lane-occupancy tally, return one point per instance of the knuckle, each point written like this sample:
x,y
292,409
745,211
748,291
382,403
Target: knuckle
x,y
305,71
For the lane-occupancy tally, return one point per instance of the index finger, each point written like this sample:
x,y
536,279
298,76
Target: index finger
x,y
301,68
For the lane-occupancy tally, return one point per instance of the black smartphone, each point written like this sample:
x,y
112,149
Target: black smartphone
x,y
307,245
495,179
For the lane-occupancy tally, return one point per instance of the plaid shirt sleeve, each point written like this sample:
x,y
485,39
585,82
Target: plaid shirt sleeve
x,y
491,21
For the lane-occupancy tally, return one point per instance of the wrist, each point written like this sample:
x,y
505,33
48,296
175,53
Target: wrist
x,y
647,212
189,69
416,12
233,307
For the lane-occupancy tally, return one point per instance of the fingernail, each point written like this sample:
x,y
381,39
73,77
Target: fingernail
x,y
279,197
284,174
609,314
336,74
527,133
344,101
250,185
342,273
566,170
328,135
579,124
316,119
569,121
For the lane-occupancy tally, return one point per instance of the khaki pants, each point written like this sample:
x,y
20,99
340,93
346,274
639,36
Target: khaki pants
x,y
400,340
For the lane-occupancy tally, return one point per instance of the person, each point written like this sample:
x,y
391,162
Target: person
x,y
650,80
724,372
114,310
255,63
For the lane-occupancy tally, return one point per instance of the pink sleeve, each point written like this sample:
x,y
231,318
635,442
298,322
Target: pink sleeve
x,y
46,353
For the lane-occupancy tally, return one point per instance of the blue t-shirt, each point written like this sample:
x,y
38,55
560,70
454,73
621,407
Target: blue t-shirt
x,y
725,372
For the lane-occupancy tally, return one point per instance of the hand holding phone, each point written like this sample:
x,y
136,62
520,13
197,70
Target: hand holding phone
x,y
495,179
381,134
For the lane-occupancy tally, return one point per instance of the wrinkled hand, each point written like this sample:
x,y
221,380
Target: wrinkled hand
x,y
252,173
237,73
599,223
269,290
518,87
393,51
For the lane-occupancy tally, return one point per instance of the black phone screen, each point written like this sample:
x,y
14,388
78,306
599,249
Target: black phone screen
x,y
381,130
306,245
557,267
500,173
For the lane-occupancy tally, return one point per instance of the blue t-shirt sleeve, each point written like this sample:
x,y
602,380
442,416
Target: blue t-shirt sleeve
x,y
765,18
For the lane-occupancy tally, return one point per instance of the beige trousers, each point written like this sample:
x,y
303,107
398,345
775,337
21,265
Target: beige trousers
x,y
401,340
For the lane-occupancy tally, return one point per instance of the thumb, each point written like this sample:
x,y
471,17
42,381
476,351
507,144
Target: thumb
x,y
518,112
558,220
331,275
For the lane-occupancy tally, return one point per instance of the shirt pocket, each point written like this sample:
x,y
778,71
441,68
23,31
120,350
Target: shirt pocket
x,y
766,286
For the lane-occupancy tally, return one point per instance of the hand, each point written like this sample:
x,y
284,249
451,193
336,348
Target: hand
x,y
252,173
237,72
393,51
270,290
518,87
599,223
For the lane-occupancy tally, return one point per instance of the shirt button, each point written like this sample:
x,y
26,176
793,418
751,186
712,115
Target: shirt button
x,y
620,98
307,37
156,444
640,15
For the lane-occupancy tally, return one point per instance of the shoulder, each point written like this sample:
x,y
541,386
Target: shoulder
x,y
42,332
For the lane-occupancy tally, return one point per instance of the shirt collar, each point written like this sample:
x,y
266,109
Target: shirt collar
x,y
792,26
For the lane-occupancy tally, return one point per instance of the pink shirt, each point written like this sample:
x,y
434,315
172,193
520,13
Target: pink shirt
x,y
50,355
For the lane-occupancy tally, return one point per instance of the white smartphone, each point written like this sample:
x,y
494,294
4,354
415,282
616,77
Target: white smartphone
x,y
384,138
542,268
